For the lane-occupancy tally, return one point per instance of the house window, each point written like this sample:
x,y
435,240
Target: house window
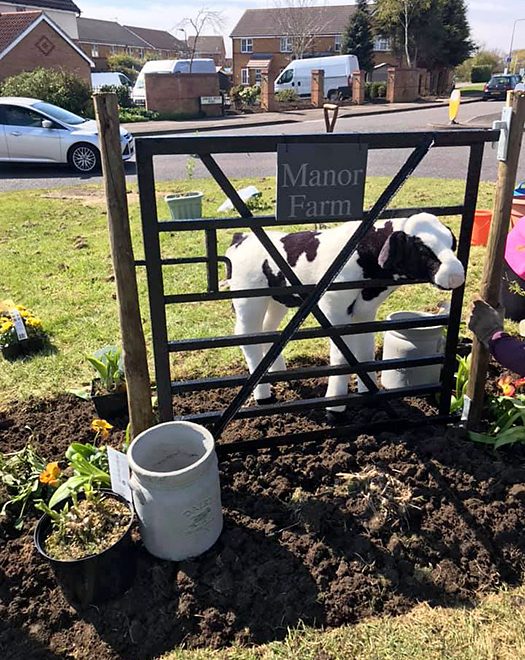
x,y
94,51
258,77
245,76
337,42
382,44
246,45
140,53
286,44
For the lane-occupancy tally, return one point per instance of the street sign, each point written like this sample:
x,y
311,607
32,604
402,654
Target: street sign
x,y
211,100
321,181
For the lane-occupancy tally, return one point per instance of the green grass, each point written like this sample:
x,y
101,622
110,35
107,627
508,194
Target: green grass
x,y
56,260
494,630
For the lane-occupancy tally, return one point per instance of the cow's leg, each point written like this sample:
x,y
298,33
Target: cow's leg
x,y
250,313
362,346
274,315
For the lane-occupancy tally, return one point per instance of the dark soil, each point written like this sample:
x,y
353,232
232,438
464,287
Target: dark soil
x,y
429,517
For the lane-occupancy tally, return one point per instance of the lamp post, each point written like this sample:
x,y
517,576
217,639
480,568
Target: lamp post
x,y
511,42
185,39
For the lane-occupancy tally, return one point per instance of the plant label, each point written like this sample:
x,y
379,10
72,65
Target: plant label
x,y
20,328
119,473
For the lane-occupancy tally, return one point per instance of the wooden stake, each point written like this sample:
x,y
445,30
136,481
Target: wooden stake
x,y
133,342
493,266
330,121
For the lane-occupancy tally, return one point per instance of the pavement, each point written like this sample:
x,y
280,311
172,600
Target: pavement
x,y
150,128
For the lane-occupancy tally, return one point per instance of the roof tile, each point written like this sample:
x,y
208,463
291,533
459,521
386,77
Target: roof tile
x,y
12,25
64,5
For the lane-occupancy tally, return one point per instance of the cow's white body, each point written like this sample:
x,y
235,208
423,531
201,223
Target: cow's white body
x,y
310,254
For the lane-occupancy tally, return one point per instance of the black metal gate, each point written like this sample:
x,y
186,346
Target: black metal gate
x,y
204,147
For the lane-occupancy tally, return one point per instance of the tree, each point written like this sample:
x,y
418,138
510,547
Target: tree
x,y
483,57
204,18
358,38
400,20
455,42
301,21
126,64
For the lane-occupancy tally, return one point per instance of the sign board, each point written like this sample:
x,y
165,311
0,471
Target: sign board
x,y
211,100
321,181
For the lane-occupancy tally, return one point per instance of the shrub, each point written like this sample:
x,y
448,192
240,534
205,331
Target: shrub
x,y
287,96
481,73
122,92
375,90
129,66
242,95
129,115
52,85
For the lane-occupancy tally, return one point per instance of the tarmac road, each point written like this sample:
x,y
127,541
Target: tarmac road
x,y
440,163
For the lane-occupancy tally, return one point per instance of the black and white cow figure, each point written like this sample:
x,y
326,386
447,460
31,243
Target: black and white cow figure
x,y
418,247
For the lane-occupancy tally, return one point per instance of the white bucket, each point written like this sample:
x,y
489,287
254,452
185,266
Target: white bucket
x,y
412,343
176,490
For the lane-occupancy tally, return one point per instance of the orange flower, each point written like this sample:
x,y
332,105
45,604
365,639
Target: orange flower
x,y
50,474
519,383
101,427
507,386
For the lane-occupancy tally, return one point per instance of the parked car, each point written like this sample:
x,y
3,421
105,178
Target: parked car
x,y
34,131
498,86
337,69
198,65
110,78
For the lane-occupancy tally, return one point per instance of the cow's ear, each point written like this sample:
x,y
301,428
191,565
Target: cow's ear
x,y
393,250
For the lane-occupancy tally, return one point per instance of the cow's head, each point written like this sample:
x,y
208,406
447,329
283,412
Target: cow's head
x,y
423,249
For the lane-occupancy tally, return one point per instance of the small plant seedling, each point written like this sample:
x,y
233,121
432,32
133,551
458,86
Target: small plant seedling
x,y
108,363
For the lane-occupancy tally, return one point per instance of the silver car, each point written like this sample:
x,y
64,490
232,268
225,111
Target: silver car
x,y
34,131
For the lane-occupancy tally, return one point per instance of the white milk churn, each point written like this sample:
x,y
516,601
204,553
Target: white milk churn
x,y
176,491
411,343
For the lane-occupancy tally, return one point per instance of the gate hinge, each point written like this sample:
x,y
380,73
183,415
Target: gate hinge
x,y
503,125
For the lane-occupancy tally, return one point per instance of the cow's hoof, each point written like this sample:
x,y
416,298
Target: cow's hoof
x,y
333,417
266,402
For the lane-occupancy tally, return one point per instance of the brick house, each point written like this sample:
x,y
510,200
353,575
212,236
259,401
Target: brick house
x,y
99,39
30,39
262,38
62,12
211,47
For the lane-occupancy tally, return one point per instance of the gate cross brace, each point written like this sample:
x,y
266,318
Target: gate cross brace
x,y
309,302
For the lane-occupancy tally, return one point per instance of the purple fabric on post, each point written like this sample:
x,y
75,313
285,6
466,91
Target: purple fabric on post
x,y
508,351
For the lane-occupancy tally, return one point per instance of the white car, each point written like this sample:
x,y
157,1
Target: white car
x,y
34,131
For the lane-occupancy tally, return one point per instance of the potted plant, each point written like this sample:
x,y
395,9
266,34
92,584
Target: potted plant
x,y
88,545
185,205
21,333
108,391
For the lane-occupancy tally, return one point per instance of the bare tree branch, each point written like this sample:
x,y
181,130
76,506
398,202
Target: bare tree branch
x,y
204,18
302,21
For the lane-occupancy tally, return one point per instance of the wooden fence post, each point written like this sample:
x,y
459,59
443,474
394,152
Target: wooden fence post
x,y
133,342
493,266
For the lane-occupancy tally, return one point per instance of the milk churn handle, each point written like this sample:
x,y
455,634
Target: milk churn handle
x,y
136,488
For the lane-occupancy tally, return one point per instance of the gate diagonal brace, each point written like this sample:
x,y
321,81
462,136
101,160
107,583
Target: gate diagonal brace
x,y
309,302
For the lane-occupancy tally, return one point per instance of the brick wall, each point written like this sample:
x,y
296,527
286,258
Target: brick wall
x,y
180,93
44,47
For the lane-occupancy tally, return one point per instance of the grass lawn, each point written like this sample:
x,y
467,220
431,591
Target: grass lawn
x,y
55,260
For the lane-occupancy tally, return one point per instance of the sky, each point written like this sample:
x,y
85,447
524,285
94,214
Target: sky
x,y
491,24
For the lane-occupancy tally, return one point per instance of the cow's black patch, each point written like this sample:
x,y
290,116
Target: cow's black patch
x,y
454,240
238,238
350,309
410,257
278,280
368,253
297,243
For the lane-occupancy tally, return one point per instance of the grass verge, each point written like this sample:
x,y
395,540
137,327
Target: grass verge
x,y
55,256
493,630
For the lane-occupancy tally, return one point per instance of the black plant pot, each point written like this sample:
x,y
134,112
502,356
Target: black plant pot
x,y
96,578
23,348
12,352
109,405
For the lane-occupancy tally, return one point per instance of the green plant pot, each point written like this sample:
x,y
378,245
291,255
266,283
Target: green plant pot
x,y
185,206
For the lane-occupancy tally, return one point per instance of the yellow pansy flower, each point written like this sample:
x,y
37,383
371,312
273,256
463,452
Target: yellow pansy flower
x,y
101,427
50,474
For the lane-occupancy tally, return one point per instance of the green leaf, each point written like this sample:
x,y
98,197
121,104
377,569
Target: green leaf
x,y
510,437
482,438
83,393
64,490
98,366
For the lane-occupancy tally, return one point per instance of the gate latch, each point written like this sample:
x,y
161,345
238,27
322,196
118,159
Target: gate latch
x,y
503,125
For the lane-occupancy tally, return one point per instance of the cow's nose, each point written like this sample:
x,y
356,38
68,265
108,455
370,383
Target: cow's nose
x,y
455,280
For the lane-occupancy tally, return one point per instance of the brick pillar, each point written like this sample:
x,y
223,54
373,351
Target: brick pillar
x,y
391,84
358,87
268,102
317,94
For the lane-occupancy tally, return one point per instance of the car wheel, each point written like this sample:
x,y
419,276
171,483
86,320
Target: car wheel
x,y
84,158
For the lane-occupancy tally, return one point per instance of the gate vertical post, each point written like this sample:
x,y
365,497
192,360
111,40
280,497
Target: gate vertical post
x,y
493,267
133,342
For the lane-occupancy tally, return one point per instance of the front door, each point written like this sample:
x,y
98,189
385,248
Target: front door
x,y
27,139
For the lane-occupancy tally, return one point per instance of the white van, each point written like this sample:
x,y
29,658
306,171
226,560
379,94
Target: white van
x,y
337,69
138,93
113,78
